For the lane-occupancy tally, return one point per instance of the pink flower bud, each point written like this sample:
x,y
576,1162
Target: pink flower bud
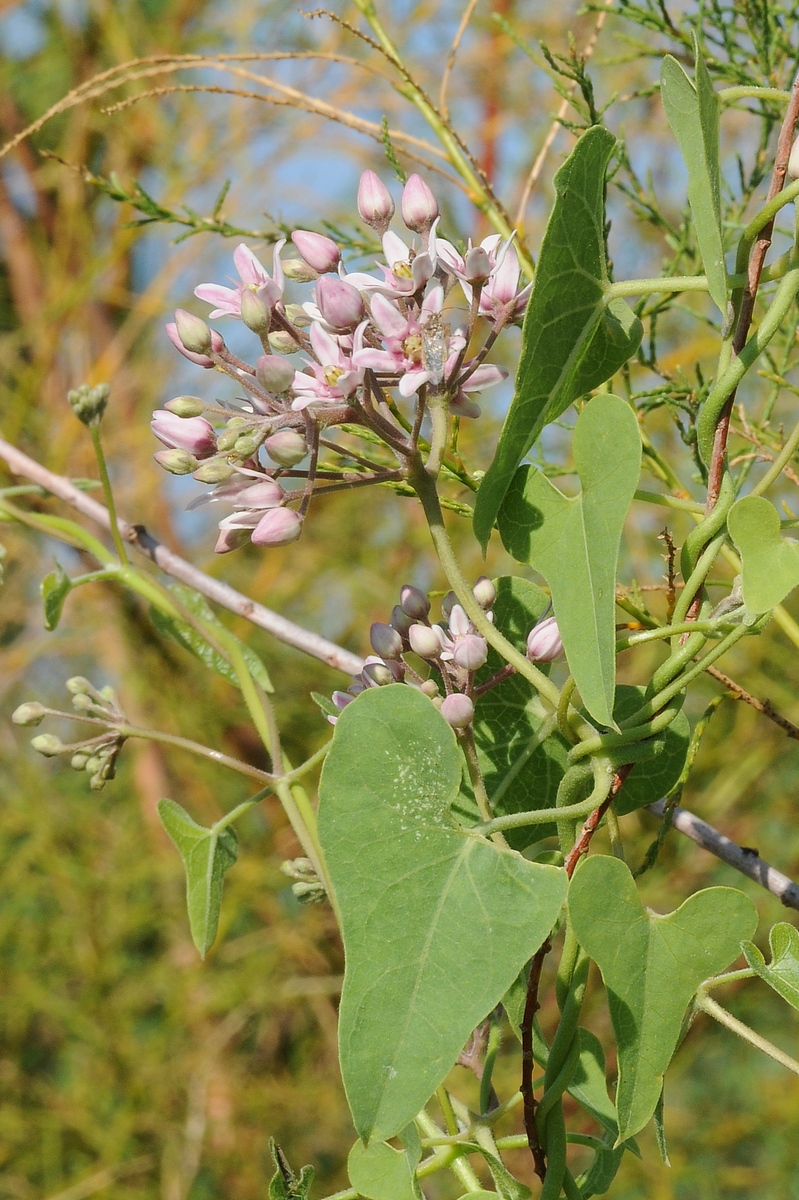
x,y
274,373
201,360
277,527
457,710
194,434
319,252
419,205
425,641
193,332
286,448
484,592
470,652
255,314
375,205
543,641
340,304
414,603
177,462
385,641
264,494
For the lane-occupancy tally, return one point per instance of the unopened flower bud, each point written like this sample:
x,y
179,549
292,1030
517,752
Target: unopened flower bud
x,y
385,641
319,252
286,448
400,620
274,374
194,434
255,312
186,406
227,440
194,334
478,265
89,403
277,527
378,674
78,684
47,744
177,462
282,342
93,764
342,699
429,687
419,206
340,304
375,205
543,641
470,652
214,471
793,161
414,602
78,761
108,694
98,781
457,710
484,592
425,641
201,360
82,702
264,494
246,445
31,713
298,271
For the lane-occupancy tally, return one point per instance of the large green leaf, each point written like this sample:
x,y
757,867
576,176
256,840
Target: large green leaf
x,y
574,541
188,637
507,719
654,776
782,973
652,966
573,338
770,562
207,856
693,113
436,922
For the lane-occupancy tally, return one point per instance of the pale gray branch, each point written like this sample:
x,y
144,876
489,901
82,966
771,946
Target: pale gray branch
x,y
743,858
172,564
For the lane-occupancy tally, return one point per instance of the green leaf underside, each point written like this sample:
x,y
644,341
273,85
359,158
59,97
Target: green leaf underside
x,y
188,637
55,588
651,966
574,541
770,561
655,776
206,856
782,973
572,340
692,112
379,1172
507,717
436,922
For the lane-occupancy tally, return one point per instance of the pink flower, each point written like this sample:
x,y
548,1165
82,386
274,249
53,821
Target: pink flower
x,y
253,276
407,271
193,434
501,298
335,376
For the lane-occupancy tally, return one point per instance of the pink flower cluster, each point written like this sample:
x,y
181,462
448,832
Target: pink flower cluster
x,y
365,342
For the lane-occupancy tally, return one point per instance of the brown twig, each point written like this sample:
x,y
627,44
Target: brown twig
x,y
762,706
580,847
531,1007
671,587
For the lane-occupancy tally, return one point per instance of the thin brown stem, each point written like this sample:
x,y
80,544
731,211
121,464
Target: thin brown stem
x,y
580,847
762,706
531,1007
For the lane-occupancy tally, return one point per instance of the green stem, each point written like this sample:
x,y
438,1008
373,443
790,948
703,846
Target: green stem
x,y
681,682
538,816
181,743
240,810
458,1165
691,506
63,529
667,631
478,783
108,492
780,462
438,407
730,94
721,1015
729,977
629,735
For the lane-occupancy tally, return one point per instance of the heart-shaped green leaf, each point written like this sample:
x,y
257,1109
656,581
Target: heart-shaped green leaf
x,y
573,340
652,966
436,922
782,973
207,856
770,561
574,541
693,113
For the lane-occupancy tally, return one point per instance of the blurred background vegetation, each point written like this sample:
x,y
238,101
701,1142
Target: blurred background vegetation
x,y
127,1066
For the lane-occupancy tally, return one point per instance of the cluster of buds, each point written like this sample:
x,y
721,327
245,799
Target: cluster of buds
x,y
96,756
365,344
453,648
307,886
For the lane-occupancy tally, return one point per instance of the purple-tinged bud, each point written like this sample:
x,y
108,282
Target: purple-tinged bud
x,y
793,161
477,266
177,462
255,312
264,494
385,641
543,641
275,374
377,674
342,699
194,334
282,342
194,434
340,304
320,252
484,592
400,620
32,713
277,527
457,710
286,448
47,744
425,641
448,602
298,271
470,652
414,602
375,205
215,471
419,206
186,406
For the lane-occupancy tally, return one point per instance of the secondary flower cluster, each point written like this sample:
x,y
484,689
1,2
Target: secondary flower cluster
x,y
352,354
453,648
